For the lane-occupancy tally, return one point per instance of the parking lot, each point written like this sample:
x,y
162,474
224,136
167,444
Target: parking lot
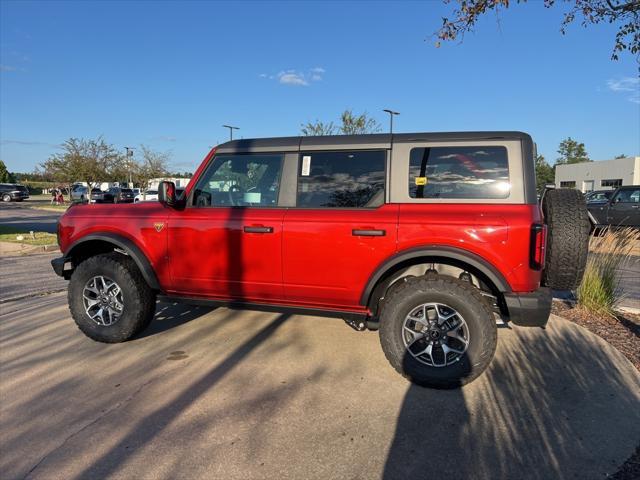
x,y
220,393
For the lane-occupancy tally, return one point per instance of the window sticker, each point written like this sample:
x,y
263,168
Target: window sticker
x,y
306,165
421,181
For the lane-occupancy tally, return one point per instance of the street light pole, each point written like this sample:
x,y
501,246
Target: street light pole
x,y
391,114
231,129
129,154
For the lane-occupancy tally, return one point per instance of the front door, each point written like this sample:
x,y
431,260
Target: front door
x,y
340,228
227,242
624,210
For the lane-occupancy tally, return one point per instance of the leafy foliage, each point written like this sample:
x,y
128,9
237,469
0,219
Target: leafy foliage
x,y
626,13
350,124
572,151
5,176
544,173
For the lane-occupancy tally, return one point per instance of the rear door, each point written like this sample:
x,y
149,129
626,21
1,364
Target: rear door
x,y
340,228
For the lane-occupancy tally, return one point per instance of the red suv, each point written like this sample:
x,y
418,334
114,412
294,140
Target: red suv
x,y
431,237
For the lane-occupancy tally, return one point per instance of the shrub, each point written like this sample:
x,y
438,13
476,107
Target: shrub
x,y
600,290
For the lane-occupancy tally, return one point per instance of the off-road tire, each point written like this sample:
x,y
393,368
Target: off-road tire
x,y
565,213
139,299
460,296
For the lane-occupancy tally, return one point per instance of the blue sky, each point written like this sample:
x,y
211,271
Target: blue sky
x,y
169,74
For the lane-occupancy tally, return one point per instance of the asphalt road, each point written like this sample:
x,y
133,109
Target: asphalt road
x,y
28,275
240,394
18,216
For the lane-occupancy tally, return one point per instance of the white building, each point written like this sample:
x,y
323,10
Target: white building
x,y
599,175
180,182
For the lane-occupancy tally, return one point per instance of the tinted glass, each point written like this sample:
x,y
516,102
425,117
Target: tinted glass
x,y
240,181
459,172
341,179
628,195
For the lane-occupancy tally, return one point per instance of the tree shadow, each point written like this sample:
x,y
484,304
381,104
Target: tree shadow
x,y
551,405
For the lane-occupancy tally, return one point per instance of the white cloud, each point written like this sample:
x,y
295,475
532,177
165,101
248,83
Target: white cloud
x,y
626,85
298,78
7,68
292,77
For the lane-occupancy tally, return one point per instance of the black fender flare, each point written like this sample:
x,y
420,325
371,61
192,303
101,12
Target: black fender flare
x,y
458,254
127,246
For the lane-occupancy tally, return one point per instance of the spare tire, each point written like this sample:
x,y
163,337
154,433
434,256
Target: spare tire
x,y
568,226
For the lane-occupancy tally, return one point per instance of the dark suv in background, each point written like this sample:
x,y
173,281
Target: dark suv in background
x,y
621,210
12,192
112,195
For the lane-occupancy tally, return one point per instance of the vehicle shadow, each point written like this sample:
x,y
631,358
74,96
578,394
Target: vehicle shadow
x,y
552,404
170,315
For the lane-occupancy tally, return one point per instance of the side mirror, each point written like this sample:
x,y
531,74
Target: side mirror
x,y
167,194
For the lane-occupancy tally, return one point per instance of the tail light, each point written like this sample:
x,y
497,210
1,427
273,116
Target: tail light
x,y
537,247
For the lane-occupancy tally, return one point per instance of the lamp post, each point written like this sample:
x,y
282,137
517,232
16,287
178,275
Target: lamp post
x,y
391,114
231,129
129,159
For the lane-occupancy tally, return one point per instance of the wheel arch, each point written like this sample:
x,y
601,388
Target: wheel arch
x,y
97,243
380,279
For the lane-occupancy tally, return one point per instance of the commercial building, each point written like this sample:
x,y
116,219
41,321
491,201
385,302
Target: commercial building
x,y
599,175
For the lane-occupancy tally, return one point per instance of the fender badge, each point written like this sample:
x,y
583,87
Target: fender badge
x,y
158,226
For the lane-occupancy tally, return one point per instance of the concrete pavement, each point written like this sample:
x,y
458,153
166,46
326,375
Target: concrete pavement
x,y
27,219
240,394
28,275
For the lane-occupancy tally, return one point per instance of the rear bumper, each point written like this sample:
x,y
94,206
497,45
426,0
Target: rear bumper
x,y
529,309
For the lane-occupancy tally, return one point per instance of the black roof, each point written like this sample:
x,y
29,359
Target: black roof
x,y
297,143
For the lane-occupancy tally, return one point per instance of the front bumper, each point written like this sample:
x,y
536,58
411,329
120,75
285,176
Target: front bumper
x,y
58,267
529,309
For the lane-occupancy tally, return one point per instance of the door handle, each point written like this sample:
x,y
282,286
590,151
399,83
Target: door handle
x,y
368,233
258,229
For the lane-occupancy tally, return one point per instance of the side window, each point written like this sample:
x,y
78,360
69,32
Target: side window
x,y
459,172
628,196
240,181
341,179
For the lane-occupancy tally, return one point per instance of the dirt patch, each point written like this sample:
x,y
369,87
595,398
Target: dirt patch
x,y
622,331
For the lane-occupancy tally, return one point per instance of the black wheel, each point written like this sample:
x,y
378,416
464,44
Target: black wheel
x,y
438,331
109,299
6,197
567,219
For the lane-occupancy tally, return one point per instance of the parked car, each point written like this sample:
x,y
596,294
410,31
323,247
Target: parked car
x,y
430,237
99,196
13,192
112,195
598,196
621,210
79,193
149,195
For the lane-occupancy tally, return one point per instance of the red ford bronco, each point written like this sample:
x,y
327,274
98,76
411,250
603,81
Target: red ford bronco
x,y
431,237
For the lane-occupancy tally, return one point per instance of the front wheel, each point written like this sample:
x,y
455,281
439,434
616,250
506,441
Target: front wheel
x,y
109,299
438,331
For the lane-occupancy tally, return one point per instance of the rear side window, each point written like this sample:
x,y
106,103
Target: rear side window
x,y
349,179
459,172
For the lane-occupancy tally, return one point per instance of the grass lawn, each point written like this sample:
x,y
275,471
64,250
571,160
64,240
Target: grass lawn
x,y
9,234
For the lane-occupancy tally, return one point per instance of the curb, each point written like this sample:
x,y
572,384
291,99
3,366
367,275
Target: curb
x,y
10,249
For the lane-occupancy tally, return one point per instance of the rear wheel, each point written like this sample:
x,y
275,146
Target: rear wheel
x,y
567,219
108,298
6,197
437,331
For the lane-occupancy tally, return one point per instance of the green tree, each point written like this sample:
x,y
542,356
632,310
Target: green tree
x,y
622,155
318,129
350,124
571,151
624,13
5,175
357,124
153,165
90,161
544,173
